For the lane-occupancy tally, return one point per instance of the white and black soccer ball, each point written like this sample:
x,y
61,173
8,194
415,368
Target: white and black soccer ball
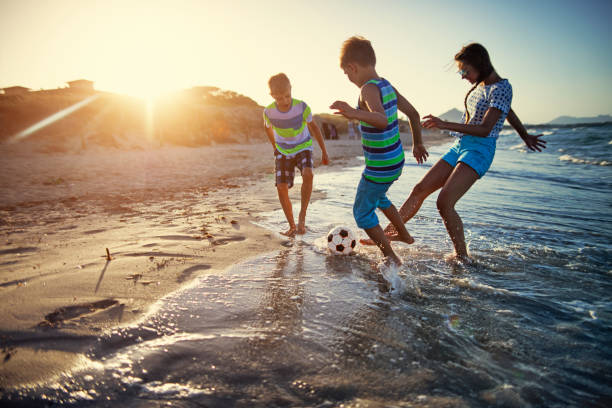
x,y
341,241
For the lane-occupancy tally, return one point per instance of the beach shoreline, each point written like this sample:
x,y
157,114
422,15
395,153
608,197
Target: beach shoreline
x,y
167,216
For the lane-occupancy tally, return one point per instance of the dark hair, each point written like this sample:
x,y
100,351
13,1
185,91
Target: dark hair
x,y
477,56
278,81
358,50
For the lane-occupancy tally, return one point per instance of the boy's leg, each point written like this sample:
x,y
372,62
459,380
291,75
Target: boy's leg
x,y
364,211
377,235
283,197
307,177
460,181
284,181
305,164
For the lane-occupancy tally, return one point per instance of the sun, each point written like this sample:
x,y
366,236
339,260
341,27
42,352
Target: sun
x,y
149,91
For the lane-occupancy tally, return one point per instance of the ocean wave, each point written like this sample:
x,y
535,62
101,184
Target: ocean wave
x,y
470,284
572,159
519,146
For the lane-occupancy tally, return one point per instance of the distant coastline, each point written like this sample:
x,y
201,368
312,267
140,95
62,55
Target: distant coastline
x,y
563,126
455,115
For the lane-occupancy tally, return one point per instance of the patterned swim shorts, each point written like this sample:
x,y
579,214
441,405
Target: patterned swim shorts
x,y
285,166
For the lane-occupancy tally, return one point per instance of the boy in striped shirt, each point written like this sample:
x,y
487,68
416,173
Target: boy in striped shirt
x,y
382,147
288,123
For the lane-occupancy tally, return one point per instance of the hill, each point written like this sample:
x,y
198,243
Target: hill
x,y
198,116
202,115
453,115
572,120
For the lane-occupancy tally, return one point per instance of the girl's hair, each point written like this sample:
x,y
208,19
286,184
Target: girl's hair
x,y
477,56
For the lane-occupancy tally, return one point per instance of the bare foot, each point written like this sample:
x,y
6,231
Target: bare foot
x,y
459,259
301,229
394,237
366,241
407,239
393,260
290,232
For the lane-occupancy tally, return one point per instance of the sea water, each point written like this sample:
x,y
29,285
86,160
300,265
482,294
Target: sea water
x,y
529,324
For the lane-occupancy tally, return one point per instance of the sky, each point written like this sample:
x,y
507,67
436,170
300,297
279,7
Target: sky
x,y
556,54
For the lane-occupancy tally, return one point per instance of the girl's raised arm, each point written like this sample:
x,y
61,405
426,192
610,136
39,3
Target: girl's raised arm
x,y
533,142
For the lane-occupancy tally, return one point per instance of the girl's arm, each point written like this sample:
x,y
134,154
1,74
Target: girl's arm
x,y
316,133
533,142
418,149
482,130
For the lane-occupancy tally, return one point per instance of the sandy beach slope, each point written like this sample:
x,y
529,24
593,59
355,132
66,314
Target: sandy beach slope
x,y
166,215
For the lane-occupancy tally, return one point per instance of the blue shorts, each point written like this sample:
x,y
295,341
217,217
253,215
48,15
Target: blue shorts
x,y
476,152
369,197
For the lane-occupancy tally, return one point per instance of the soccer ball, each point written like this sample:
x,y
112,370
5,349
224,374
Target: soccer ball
x,y
341,241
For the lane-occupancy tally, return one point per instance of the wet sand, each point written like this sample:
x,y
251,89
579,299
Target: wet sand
x,y
166,216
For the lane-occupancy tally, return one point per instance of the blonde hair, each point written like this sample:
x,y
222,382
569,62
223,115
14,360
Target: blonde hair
x,y
359,50
278,81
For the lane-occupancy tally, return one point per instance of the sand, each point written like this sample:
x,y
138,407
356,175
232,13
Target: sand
x,y
166,216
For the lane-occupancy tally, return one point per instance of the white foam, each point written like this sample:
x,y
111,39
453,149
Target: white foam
x,y
567,157
519,146
470,284
175,390
81,395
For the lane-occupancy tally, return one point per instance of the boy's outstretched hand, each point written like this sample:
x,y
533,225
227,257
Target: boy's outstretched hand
x,y
420,153
343,108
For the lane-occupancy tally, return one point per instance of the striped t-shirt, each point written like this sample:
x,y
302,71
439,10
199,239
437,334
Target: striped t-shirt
x,y
382,148
291,134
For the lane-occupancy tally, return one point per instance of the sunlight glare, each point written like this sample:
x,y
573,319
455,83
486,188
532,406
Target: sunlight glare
x,y
149,119
52,119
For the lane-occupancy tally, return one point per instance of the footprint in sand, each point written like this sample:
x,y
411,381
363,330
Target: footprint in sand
x,y
180,237
227,240
158,254
18,250
94,231
70,312
186,274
